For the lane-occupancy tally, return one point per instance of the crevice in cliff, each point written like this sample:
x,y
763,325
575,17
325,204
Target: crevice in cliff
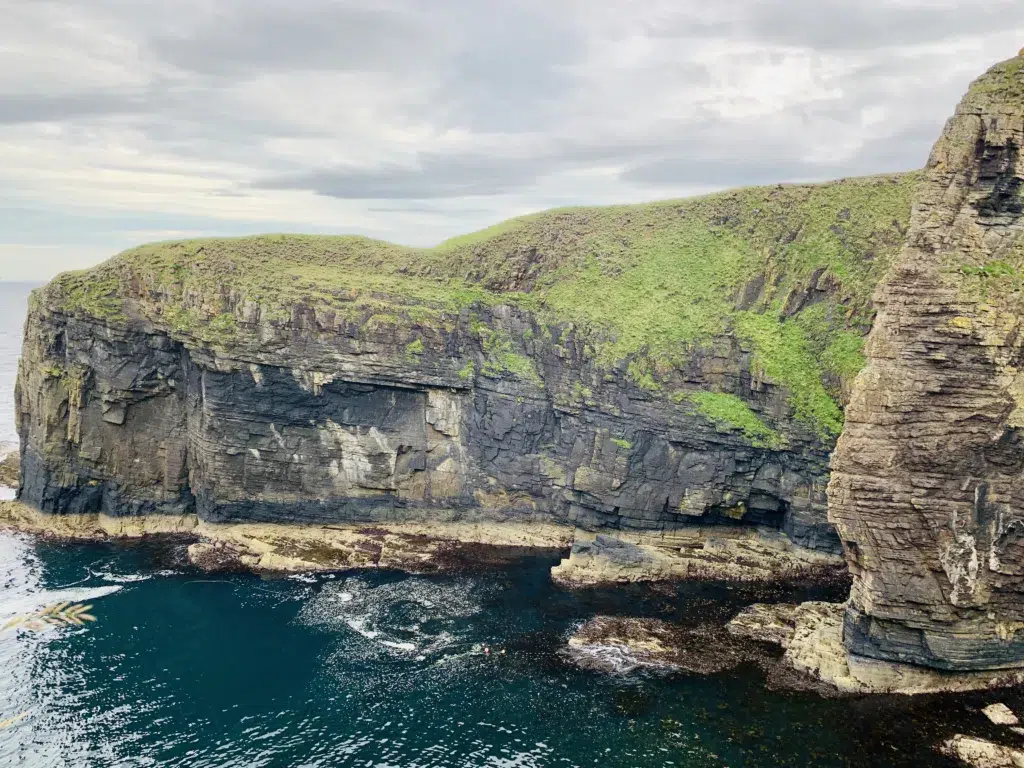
x,y
997,173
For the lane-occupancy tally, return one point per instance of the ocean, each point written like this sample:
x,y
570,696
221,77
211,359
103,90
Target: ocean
x,y
385,670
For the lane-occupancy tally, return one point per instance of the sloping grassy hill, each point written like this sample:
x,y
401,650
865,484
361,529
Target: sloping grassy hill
x,y
788,269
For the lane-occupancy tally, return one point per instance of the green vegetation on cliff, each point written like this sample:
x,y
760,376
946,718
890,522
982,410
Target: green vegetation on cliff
x,y
1002,84
732,412
789,270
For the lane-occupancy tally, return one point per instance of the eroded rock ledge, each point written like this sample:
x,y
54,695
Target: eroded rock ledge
x,y
10,465
624,645
812,636
284,548
716,553
428,546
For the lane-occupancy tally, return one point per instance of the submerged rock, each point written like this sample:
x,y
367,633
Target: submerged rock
x,y
622,645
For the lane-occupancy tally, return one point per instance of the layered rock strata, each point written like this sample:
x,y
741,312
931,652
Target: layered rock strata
x,y
327,381
926,487
811,635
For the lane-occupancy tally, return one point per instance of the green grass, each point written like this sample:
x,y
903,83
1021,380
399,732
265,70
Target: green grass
x,y
1002,83
642,286
783,354
732,412
414,348
997,268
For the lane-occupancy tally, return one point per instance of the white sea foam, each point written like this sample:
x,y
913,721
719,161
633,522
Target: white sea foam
x,y
415,618
399,646
123,578
359,625
612,659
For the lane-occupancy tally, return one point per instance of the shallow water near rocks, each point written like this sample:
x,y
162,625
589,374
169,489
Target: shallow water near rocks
x,y
386,669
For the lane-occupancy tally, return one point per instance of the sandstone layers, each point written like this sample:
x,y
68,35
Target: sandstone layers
x,y
927,487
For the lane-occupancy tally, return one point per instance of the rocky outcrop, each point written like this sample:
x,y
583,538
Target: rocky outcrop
x,y
927,487
130,421
10,466
625,645
708,553
812,636
331,381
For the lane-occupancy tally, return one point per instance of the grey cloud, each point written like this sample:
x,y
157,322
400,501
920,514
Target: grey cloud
x,y
841,25
511,76
837,25
246,38
438,176
37,108
514,70
900,152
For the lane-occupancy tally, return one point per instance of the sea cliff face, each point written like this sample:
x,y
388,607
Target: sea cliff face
x,y
641,368
926,489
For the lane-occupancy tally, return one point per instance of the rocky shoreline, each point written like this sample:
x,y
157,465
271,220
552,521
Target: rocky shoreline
x,y
732,554
288,548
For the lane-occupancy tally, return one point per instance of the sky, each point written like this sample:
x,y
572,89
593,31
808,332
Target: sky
x,y
127,121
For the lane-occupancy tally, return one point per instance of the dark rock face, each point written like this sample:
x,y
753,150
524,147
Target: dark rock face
x,y
926,489
312,421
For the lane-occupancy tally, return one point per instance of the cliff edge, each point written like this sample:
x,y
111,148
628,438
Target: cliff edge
x,y
926,488
634,368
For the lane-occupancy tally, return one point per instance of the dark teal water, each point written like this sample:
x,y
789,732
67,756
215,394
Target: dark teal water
x,y
380,669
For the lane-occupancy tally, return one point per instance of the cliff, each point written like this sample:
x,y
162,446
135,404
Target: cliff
x,y
638,368
926,490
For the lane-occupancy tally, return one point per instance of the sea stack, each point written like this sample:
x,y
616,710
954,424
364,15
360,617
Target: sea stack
x,y
926,488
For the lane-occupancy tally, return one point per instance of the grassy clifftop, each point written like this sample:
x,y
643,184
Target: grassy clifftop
x,y
788,269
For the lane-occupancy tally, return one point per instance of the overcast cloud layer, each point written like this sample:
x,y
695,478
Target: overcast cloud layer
x,y
123,121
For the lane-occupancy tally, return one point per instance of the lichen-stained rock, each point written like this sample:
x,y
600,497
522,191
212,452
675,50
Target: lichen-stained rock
x,y
637,368
927,487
